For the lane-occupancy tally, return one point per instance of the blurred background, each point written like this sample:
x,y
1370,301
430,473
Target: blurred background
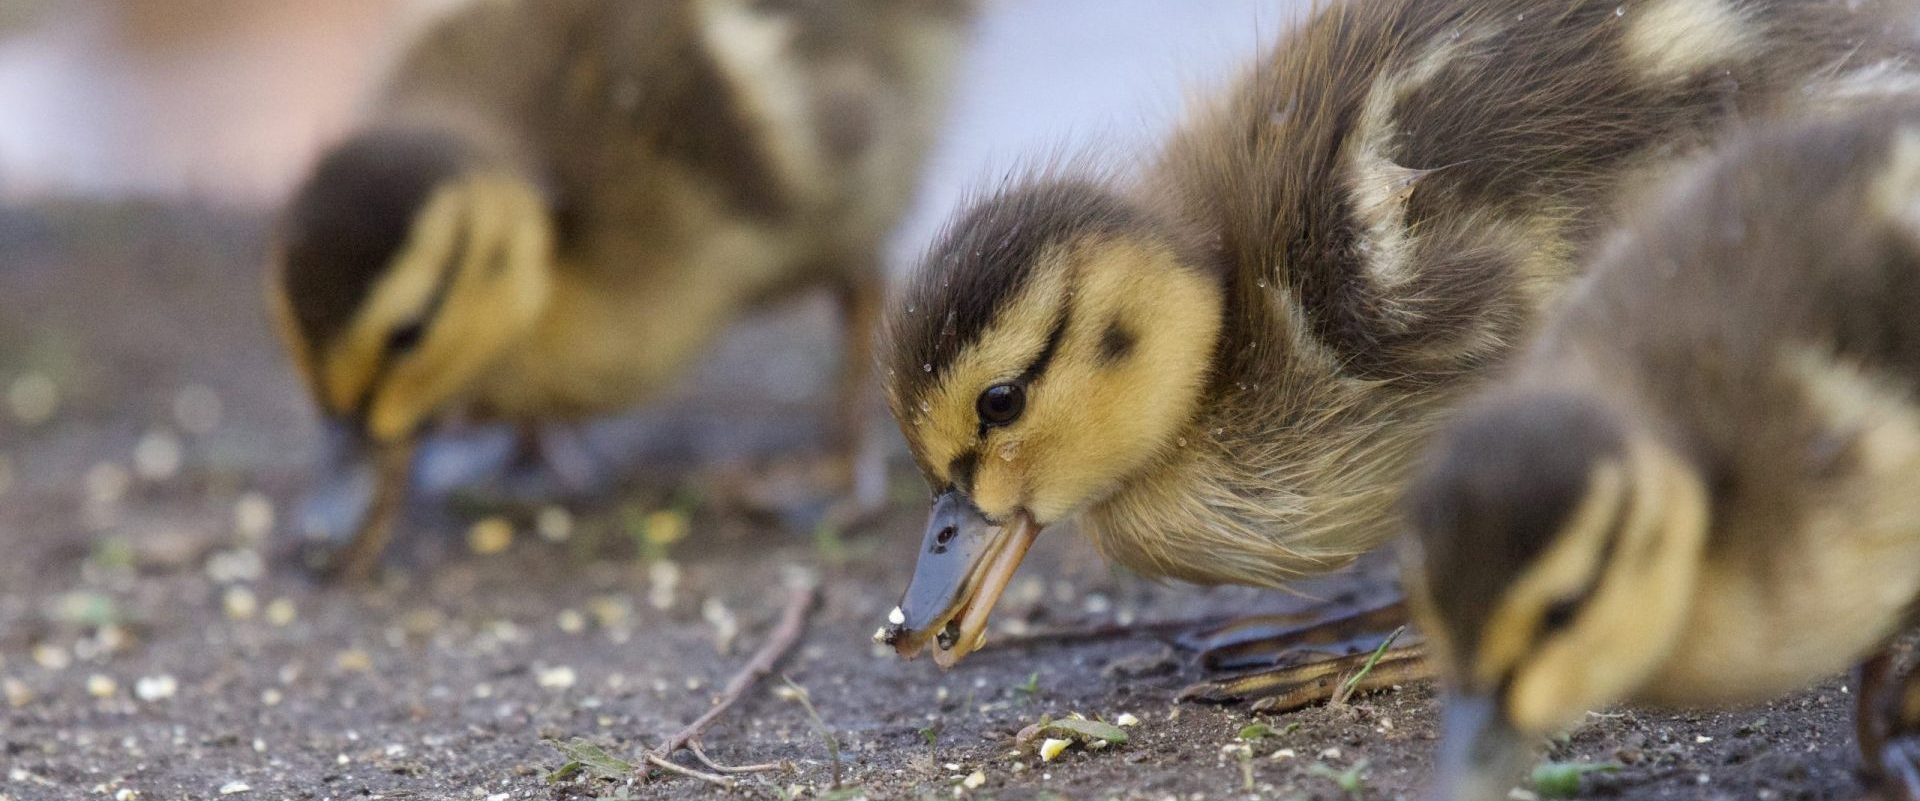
x,y
226,101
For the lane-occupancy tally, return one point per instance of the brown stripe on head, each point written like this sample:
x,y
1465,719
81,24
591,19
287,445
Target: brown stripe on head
x,y
979,264
350,219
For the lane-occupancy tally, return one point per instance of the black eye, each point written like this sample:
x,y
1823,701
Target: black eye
x,y
1001,404
1559,615
406,337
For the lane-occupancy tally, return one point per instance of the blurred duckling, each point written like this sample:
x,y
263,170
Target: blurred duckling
x,y
1223,368
1697,489
557,204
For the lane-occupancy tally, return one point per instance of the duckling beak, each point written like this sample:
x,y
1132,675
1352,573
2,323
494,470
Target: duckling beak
x,y
965,563
356,496
1482,756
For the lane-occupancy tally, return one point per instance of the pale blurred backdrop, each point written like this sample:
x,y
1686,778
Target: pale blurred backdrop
x,y
225,101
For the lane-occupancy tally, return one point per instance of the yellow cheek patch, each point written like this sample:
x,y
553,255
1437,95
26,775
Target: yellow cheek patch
x,y
402,293
1568,565
497,288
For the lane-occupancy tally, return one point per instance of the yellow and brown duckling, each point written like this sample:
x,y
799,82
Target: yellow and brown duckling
x,y
1223,367
1697,487
555,205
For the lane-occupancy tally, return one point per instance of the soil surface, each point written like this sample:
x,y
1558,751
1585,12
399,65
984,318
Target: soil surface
x,y
156,642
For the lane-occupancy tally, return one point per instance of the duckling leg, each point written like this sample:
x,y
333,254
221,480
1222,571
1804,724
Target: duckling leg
x,y
1888,724
862,462
1309,658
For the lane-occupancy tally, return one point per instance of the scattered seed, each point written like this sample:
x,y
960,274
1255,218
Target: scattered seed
x,y
897,617
664,578
553,523
281,612
725,625
157,456
239,603
354,660
33,398
236,565
156,688
253,517
1126,719
1052,747
556,678
197,409
234,788
571,621
974,780
100,685
17,692
490,535
52,657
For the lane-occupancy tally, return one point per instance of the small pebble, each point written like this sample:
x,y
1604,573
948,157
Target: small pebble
x,y
33,399
253,517
664,581
234,788
157,456
354,661
571,621
52,657
556,678
17,692
239,603
974,780
281,612
271,697
156,688
106,483
554,524
197,409
490,536
100,685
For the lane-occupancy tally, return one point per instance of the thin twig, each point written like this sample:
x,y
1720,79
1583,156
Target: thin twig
x,y
667,764
793,621
694,748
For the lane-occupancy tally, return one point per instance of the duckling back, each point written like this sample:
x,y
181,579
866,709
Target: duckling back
x,y
1392,197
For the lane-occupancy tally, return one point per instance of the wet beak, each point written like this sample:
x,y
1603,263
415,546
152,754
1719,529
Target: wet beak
x,y
1482,756
965,563
348,515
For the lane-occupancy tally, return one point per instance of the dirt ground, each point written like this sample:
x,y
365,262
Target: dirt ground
x,y
154,644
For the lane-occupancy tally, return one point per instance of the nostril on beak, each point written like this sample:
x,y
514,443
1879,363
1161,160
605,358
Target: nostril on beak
x,y
941,539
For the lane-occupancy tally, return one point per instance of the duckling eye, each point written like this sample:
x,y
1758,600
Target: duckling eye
x,y
405,338
1001,404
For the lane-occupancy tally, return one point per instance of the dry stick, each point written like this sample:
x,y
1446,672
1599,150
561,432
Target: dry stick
x,y
792,622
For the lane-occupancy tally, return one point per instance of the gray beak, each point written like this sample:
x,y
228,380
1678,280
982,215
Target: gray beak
x,y
359,486
1482,757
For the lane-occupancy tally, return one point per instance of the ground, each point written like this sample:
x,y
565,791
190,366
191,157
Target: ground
x,y
156,644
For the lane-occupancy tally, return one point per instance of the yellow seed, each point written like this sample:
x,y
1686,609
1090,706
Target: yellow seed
x,y
666,527
1052,747
490,536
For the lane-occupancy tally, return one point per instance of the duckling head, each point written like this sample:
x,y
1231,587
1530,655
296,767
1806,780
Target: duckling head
x,y
406,264
1556,548
1055,340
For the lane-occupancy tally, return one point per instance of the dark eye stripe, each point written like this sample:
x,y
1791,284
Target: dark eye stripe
x,y
1048,350
1562,611
960,471
442,286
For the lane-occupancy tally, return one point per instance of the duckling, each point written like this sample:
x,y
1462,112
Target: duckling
x,y
1223,367
556,205
1696,488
